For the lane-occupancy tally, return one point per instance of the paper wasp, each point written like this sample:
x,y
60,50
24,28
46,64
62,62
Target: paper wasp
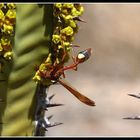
x,y
54,74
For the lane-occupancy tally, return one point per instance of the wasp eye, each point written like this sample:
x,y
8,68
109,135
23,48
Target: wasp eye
x,y
84,55
81,56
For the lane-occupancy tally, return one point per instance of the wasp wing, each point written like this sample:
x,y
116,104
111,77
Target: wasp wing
x,y
76,93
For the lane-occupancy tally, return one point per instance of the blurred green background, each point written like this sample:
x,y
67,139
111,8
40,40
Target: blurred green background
x,y
112,72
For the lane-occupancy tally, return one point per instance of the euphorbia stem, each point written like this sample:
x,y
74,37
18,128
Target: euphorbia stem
x,y
32,42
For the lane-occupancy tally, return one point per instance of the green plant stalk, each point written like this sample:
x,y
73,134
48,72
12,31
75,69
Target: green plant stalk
x,y
32,40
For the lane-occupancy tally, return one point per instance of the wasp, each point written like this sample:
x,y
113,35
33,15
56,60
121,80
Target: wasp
x,y
54,74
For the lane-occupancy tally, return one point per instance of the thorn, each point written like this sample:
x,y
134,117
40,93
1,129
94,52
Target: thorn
x,y
133,95
51,97
79,19
54,105
46,124
54,124
49,117
133,118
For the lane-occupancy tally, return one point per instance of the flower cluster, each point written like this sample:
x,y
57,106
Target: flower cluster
x,y
65,20
7,25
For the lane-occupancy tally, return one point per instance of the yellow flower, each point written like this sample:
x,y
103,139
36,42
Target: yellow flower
x,y
1,5
68,5
37,78
64,11
6,44
42,67
48,60
56,39
75,12
8,55
1,15
58,5
72,23
68,17
60,46
11,5
11,14
66,44
68,31
5,41
8,29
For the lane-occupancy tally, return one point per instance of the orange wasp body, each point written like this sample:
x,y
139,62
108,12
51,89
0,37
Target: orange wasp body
x,y
56,71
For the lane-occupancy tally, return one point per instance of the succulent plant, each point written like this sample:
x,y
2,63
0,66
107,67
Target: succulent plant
x,y
35,45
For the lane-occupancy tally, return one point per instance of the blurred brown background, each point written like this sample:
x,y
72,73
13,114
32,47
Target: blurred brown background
x,y
113,71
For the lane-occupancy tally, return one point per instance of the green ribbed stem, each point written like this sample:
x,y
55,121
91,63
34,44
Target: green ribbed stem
x,y
32,40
